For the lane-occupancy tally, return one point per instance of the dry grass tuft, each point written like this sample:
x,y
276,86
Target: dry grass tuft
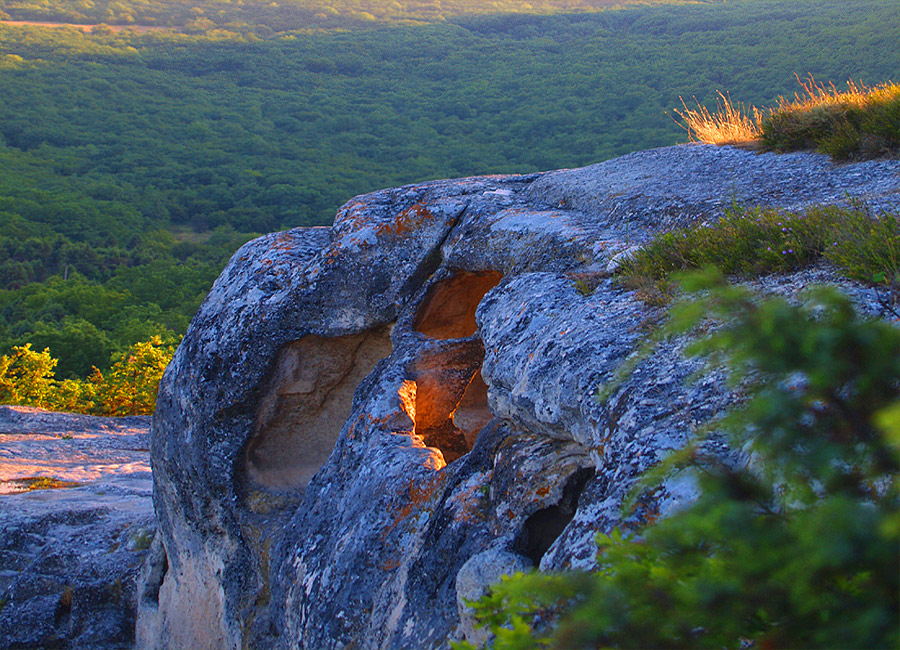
x,y
817,95
856,122
730,124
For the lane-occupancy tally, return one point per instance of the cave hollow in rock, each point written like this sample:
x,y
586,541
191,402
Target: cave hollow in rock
x,y
306,400
446,377
544,527
448,310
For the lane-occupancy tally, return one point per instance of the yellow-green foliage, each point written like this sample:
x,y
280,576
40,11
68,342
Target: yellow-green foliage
x,y
41,483
26,376
129,388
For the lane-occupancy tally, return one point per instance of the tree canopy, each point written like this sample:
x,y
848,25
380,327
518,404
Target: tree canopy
x,y
135,163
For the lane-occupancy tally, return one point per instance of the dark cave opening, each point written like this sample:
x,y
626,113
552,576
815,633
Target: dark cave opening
x,y
544,527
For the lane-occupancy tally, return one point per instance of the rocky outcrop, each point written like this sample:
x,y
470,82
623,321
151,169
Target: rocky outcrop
x,y
70,556
366,425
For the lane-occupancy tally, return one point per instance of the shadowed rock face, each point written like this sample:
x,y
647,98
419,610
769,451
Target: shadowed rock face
x,y
366,425
472,413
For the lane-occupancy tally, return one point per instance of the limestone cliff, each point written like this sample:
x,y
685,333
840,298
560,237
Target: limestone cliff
x,y
368,423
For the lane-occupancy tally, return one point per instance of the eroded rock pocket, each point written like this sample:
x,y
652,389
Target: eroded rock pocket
x,y
307,399
447,397
545,526
448,310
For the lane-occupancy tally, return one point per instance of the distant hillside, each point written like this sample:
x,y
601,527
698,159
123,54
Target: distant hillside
x,y
134,164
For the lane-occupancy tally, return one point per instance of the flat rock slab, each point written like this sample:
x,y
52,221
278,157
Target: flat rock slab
x,y
672,187
72,448
69,556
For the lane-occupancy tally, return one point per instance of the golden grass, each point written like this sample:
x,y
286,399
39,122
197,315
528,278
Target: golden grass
x,y
820,116
858,121
818,96
730,124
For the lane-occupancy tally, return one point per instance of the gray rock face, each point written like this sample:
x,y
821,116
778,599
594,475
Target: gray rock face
x,y
70,557
366,425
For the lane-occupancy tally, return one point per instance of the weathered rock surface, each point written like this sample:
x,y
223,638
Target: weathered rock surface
x,y
366,425
70,557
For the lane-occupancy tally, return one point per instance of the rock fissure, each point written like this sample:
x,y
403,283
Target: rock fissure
x,y
472,413
432,260
155,568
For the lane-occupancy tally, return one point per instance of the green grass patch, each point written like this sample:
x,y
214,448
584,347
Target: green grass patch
x,y
141,540
752,241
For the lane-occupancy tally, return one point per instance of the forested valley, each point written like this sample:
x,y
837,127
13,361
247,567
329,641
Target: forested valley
x,y
134,162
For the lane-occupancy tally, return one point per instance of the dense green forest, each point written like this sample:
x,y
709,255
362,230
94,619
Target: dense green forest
x,y
132,164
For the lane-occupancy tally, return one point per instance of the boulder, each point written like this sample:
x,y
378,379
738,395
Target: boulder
x,y
365,425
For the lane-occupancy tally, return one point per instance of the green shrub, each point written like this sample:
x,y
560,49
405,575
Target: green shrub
x,y
867,248
748,242
798,548
743,241
141,540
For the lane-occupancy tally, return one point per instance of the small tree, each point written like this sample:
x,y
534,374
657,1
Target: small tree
x,y
130,387
26,376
